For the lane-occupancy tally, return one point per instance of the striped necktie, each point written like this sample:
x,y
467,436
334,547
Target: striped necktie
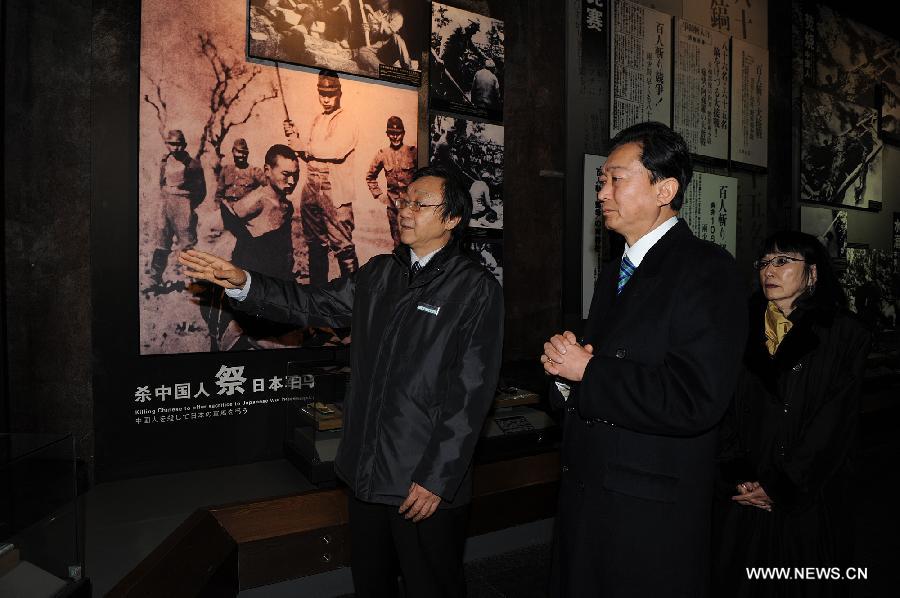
x,y
625,272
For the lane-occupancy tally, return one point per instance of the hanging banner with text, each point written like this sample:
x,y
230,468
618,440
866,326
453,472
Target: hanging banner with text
x,y
710,209
749,104
701,88
591,230
640,66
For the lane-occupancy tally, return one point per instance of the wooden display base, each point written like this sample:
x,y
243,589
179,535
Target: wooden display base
x,y
322,416
516,396
222,550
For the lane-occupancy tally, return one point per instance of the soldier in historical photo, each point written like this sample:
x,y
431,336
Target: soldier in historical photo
x,y
386,45
326,201
234,182
398,161
181,189
486,87
481,198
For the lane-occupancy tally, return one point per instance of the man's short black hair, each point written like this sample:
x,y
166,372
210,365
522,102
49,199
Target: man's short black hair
x,y
457,201
279,150
663,152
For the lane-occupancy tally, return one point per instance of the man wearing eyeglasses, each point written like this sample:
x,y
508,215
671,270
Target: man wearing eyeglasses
x,y
645,387
427,325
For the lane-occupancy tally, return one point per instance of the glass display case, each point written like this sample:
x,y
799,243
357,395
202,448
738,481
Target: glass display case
x,y
315,420
41,530
517,425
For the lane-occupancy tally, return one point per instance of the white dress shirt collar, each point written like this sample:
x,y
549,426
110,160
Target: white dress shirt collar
x,y
413,258
637,251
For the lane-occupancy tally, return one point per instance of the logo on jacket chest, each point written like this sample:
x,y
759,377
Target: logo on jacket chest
x,y
429,309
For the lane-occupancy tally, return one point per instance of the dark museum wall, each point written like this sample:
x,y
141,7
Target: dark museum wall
x,y
534,116
47,190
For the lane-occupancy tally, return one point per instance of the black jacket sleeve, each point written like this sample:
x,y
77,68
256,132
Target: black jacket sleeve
x,y
288,302
475,373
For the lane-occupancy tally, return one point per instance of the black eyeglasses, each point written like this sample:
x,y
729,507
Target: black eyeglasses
x,y
777,261
414,205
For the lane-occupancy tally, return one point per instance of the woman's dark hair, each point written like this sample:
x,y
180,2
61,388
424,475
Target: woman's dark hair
x,y
827,292
663,152
457,201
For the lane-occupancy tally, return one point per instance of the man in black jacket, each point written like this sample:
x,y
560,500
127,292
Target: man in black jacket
x,y
646,386
427,325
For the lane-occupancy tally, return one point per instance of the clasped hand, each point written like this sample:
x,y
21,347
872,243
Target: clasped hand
x,y
751,494
564,357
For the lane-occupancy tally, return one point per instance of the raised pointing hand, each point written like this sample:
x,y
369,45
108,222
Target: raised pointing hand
x,y
206,266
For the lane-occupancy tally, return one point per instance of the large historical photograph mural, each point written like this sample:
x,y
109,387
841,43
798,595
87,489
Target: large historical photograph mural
x,y
284,170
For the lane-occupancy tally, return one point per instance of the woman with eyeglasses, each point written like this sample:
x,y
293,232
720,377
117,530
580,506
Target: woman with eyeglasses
x,y
786,442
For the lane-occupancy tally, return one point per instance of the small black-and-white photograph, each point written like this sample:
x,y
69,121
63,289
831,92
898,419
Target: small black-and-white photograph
x,y
490,254
474,152
840,152
383,39
868,283
850,58
467,62
889,117
828,226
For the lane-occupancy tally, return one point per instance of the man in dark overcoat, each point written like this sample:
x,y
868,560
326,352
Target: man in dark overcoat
x,y
645,387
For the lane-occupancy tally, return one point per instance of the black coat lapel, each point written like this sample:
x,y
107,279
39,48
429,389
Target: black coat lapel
x,y
604,296
799,342
643,282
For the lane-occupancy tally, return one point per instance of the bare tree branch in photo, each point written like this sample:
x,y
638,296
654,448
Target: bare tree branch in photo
x,y
232,79
159,105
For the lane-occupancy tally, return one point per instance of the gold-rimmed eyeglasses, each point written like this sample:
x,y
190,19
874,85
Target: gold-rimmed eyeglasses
x,y
414,205
778,261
